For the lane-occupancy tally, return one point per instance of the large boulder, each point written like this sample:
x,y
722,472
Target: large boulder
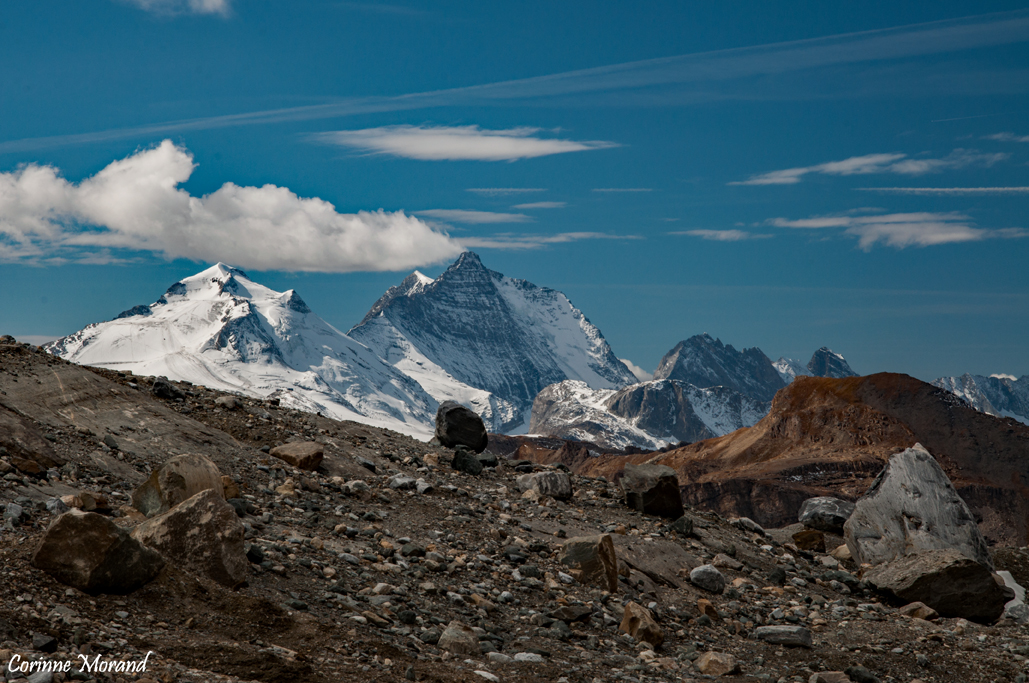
x,y
594,557
457,425
945,580
90,552
653,489
304,455
912,507
826,513
202,534
465,461
178,479
554,484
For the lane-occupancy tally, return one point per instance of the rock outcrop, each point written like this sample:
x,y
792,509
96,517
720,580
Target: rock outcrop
x,y
909,508
653,490
90,552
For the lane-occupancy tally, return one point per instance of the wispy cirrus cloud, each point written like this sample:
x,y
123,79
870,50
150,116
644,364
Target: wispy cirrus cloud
x,y
900,230
1007,137
691,77
501,191
169,7
541,205
510,240
474,217
937,191
623,189
723,235
457,143
877,163
135,204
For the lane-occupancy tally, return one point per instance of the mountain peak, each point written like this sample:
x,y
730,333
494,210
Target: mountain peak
x,y
468,259
826,363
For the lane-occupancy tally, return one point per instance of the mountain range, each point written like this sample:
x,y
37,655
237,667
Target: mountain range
x,y
1003,396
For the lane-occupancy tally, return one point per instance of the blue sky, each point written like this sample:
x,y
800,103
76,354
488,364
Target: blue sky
x,y
778,175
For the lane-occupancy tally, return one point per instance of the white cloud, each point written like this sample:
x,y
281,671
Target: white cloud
x,y
457,143
623,189
1002,375
641,374
901,230
946,190
498,191
135,204
1007,137
221,7
511,240
722,235
541,205
474,217
877,163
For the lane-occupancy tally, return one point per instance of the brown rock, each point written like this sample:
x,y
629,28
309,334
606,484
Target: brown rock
x,y
305,455
811,540
639,623
705,607
230,489
946,581
919,610
29,450
178,479
203,534
459,639
830,677
90,552
717,664
595,557
653,490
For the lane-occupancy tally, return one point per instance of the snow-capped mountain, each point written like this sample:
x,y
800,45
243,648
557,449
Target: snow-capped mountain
x,y
1000,395
487,340
824,363
220,329
646,415
705,362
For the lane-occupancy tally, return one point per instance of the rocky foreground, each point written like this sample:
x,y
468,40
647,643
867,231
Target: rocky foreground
x,y
371,558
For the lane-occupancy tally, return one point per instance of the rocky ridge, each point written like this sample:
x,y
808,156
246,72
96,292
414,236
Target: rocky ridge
x,y
384,563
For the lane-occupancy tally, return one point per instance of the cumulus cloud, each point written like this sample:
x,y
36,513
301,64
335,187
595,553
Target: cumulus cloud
x,y
641,374
474,217
723,235
457,143
937,191
221,7
920,229
136,204
877,163
510,240
541,205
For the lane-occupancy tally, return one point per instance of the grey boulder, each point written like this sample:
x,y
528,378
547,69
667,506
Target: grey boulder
x,y
458,638
825,513
459,426
178,479
945,580
792,636
554,484
90,552
912,507
708,577
202,534
653,490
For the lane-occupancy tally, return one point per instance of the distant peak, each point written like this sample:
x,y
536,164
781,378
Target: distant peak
x,y
468,259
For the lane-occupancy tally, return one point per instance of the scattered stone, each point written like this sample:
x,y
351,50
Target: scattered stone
x,y
90,552
919,610
304,455
639,623
860,674
723,561
682,526
946,581
459,426
594,557
488,459
708,577
529,657
162,388
793,636
459,639
42,642
554,484
747,524
825,513
203,534
830,677
717,664
912,507
228,402
178,479
653,490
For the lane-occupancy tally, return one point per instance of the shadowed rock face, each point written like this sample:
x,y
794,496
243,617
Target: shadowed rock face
x,y
832,436
706,362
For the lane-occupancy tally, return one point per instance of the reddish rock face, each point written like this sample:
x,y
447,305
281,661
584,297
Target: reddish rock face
x,y
826,436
